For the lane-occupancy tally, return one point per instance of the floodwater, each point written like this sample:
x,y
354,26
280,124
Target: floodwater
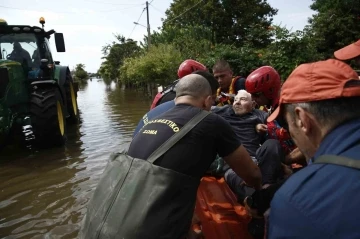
x,y
43,194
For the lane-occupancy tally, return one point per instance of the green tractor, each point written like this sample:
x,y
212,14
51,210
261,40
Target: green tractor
x,y
38,96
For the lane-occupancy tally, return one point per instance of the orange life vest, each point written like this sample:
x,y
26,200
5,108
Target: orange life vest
x,y
224,100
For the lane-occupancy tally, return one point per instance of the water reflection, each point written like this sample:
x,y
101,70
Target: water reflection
x,y
44,193
40,191
126,107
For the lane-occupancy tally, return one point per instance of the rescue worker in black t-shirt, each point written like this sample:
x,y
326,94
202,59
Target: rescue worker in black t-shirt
x,y
193,154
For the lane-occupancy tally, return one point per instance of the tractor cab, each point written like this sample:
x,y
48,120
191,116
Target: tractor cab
x,y
36,92
29,46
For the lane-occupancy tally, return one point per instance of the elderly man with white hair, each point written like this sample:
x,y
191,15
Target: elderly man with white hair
x,y
249,124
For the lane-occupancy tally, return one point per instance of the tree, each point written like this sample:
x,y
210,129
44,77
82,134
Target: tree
x,y
242,60
230,21
105,72
115,54
192,41
79,73
335,25
288,50
159,66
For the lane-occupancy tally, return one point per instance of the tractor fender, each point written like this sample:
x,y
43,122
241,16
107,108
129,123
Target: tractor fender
x,y
60,77
60,74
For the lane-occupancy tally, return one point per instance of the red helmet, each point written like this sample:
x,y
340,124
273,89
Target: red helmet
x,y
265,79
188,67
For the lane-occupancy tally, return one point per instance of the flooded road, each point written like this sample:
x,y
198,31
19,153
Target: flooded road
x,y
44,194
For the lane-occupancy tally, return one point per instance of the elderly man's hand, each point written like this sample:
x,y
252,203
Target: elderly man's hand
x,y
261,128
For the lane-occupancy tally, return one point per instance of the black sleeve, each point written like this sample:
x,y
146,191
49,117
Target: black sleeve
x,y
262,116
226,139
219,110
215,109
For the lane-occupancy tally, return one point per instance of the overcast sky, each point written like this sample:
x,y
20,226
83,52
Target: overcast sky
x,y
88,25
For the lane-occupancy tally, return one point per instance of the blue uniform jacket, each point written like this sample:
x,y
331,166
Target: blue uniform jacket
x,y
322,200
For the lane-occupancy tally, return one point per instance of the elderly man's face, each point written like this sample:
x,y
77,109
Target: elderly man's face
x,y
243,103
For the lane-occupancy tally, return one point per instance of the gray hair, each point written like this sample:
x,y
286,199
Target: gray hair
x,y
193,85
329,113
246,93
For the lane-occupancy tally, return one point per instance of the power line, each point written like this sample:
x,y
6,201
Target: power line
x,y
157,9
24,9
170,19
137,21
118,10
185,11
110,3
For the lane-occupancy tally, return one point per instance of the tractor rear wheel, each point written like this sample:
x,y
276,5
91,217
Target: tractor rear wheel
x,y
48,117
71,101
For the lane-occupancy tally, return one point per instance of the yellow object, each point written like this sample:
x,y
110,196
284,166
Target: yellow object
x,y
231,91
42,20
60,118
73,98
3,22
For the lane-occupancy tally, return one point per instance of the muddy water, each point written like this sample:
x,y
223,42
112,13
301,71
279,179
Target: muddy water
x,y
43,194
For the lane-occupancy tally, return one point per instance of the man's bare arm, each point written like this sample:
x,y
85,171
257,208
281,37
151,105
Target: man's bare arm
x,y
242,164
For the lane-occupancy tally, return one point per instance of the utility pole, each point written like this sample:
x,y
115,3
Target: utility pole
x,y
150,84
148,23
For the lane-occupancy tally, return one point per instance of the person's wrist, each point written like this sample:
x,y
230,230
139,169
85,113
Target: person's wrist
x,y
250,202
251,207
